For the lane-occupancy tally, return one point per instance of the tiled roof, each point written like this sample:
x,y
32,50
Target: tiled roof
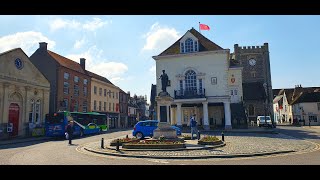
x,y
204,44
96,76
68,63
277,98
292,94
253,91
276,92
307,97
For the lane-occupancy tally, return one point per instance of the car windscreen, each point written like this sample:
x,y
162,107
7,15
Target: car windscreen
x,y
262,118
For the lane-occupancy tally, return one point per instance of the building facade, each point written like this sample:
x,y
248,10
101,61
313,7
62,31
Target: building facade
x,y
306,108
105,99
295,105
24,96
202,81
256,74
70,84
132,111
123,108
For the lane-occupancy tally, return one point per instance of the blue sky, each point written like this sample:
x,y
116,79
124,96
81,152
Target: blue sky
x,y
121,47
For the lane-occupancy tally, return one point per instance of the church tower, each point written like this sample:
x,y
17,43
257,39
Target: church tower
x,y
256,74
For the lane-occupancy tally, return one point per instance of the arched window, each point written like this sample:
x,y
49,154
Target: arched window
x,y
31,111
189,45
37,110
191,81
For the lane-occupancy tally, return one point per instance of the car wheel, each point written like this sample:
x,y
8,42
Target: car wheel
x,y
139,135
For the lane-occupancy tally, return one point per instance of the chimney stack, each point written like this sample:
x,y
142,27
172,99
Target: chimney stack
x,y
43,45
83,63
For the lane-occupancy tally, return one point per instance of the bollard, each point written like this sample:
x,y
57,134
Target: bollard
x,y
127,136
222,136
198,135
102,143
118,144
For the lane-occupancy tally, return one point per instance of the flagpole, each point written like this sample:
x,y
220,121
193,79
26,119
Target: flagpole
x,y
199,28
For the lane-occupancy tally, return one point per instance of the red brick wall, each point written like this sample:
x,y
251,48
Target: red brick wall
x,y
70,96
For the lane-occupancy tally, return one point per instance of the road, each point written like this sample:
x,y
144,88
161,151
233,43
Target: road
x,y
57,152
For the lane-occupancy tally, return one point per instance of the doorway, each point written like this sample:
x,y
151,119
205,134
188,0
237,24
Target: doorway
x,y
14,118
187,113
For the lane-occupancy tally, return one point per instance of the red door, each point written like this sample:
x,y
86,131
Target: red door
x,y
14,118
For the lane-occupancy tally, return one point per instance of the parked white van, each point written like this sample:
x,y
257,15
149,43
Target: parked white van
x,y
262,122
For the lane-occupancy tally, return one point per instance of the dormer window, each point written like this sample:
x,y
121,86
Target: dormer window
x,y
189,45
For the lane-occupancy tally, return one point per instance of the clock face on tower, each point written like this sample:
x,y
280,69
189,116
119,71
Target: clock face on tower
x,y
252,62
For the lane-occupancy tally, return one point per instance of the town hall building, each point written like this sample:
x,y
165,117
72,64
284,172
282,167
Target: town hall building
x,y
202,81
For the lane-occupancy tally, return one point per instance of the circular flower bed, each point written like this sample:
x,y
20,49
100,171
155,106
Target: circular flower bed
x,y
122,141
154,144
210,140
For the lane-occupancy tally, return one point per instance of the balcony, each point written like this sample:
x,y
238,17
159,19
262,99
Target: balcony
x,y
190,93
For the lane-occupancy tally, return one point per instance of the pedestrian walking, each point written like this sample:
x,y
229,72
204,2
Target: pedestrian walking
x,y
69,131
193,124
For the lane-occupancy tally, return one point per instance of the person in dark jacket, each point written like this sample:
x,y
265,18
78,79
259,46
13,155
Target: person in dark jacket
x,y
70,131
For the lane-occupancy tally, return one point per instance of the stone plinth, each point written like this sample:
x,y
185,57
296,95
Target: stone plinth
x,y
165,130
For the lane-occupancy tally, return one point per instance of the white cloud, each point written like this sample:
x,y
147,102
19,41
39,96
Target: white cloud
x,y
28,41
79,43
73,24
112,70
159,38
95,24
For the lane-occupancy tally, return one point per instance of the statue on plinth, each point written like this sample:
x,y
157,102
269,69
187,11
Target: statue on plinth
x,y
164,83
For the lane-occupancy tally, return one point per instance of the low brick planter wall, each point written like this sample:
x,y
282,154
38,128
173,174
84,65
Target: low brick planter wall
x,y
210,142
121,143
153,146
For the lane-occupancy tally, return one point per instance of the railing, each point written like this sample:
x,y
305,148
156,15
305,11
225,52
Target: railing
x,y
189,93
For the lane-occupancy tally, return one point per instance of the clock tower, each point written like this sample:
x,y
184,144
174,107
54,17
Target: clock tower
x,y
256,75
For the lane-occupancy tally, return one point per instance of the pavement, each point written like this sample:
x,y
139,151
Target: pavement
x,y
237,145
41,138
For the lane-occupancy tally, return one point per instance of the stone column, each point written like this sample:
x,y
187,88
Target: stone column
x,y
26,105
227,115
158,112
46,96
171,116
179,124
168,117
5,105
205,116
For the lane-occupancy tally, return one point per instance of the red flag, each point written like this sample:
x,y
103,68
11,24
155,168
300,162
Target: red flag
x,y
204,27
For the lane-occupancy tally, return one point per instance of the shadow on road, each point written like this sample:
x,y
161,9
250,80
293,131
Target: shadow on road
x,y
18,143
